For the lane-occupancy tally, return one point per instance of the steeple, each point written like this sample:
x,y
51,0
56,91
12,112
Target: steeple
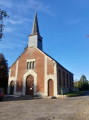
x,y
35,29
35,40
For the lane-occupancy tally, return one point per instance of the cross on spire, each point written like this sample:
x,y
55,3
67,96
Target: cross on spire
x,y
36,6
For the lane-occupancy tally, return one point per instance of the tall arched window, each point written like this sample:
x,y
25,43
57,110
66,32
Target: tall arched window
x,y
30,66
27,65
33,64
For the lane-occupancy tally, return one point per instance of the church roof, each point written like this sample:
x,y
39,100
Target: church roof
x,y
35,29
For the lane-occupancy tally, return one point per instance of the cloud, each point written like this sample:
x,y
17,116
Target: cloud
x,y
20,13
9,45
16,21
7,29
29,5
19,20
26,6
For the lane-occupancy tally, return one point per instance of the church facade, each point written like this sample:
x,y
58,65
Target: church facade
x,y
37,73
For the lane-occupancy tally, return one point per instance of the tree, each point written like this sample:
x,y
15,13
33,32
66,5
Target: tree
x,y
78,84
83,78
82,84
3,14
3,72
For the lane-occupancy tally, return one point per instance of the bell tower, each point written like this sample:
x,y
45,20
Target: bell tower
x,y
35,40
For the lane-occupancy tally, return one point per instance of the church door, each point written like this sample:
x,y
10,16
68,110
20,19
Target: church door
x,y
29,85
50,88
11,87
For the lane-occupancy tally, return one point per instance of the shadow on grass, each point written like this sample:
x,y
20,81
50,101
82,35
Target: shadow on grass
x,y
77,94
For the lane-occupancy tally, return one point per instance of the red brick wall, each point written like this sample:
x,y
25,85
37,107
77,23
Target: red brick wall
x,y
50,67
13,69
39,67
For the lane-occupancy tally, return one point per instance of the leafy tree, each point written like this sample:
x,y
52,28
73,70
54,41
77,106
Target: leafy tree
x,y
78,84
3,14
83,78
3,72
82,84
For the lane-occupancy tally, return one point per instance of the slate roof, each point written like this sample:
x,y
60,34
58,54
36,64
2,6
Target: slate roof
x,y
35,28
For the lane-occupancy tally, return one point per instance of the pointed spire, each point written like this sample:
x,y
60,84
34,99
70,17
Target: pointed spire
x,y
35,29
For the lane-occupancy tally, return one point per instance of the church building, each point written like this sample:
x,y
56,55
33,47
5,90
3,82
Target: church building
x,y
37,73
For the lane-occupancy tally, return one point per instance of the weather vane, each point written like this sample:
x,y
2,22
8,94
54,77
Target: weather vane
x,y
36,6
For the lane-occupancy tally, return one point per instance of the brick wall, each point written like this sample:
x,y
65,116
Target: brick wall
x,y
68,84
31,53
13,69
50,67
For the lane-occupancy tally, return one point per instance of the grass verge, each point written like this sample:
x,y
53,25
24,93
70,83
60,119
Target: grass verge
x,y
74,94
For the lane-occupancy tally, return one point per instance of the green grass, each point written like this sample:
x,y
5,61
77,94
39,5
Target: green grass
x,y
74,94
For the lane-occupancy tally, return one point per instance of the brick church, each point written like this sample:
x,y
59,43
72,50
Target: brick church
x,y
37,73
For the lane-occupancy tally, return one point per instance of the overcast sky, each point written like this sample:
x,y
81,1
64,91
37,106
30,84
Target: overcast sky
x,y
63,24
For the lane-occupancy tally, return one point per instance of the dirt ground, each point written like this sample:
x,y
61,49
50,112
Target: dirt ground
x,y
72,108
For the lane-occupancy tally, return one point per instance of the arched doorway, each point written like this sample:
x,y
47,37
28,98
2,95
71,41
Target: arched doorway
x,y
50,88
12,87
30,85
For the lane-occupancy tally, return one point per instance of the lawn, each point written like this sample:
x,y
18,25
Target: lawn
x,y
74,94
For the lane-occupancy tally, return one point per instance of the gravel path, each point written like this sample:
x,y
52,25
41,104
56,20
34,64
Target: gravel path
x,y
72,108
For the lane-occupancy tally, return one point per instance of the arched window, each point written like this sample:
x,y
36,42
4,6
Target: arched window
x,y
30,66
33,65
27,65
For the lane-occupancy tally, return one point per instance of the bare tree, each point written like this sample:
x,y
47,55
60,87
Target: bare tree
x,y
3,14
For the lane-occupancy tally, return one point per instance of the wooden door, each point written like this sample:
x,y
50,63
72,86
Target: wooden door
x,y
11,87
50,88
30,85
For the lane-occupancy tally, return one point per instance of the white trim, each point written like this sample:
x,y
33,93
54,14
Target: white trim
x,y
16,72
45,54
13,78
31,60
45,74
9,81
47,77
30,72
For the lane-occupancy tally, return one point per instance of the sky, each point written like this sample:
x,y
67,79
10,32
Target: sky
x,y
63,24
